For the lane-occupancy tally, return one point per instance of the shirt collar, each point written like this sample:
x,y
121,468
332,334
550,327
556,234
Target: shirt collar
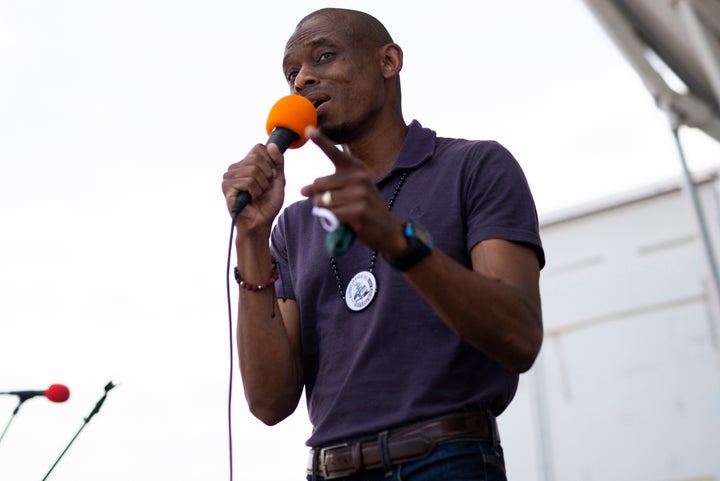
x,y
418,147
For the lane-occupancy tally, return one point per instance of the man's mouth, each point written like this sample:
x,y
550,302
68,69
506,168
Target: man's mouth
x,y
319,101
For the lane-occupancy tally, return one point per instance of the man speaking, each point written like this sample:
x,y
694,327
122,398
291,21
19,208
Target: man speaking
x,y
410,342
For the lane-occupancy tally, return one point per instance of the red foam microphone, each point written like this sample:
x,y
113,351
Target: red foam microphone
x,y
56,393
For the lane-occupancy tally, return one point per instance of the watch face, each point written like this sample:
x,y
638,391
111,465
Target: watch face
x,y
420,244
415,229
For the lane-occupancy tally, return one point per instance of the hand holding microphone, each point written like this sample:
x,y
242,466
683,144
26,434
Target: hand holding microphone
x,y
286,125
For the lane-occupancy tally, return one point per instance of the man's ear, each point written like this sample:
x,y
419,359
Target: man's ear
x,y
391,56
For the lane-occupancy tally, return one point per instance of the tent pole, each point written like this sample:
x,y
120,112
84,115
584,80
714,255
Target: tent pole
x,y
714,275
543,426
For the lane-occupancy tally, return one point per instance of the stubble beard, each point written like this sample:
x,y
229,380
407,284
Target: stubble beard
x,y
342,133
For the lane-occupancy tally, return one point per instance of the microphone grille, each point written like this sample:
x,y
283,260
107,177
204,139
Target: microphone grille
x,y
57,393
295,113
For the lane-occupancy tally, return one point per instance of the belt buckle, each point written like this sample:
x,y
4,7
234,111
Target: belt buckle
x,y
322,458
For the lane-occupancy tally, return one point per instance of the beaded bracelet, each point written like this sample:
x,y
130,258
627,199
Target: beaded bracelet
x,y
258,287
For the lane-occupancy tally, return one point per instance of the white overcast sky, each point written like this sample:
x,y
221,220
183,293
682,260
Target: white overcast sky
x,y
117,121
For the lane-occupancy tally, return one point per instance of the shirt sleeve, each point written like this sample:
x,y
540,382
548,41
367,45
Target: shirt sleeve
x,y
278,249
498,201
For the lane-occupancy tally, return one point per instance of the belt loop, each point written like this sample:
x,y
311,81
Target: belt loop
x,y
385,453
357,456
494,432
315,458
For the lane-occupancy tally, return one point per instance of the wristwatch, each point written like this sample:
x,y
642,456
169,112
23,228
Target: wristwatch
x,y
420,244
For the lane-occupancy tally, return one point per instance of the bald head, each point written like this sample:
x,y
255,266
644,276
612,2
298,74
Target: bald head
x,y
361,28
347,64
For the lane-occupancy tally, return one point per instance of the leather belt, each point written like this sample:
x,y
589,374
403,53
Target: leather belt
x,y
409,443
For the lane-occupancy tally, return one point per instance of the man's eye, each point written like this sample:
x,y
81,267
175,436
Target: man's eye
x,y
290,76
325,56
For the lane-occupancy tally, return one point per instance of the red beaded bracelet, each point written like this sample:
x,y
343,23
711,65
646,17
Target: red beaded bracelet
x,y
258,287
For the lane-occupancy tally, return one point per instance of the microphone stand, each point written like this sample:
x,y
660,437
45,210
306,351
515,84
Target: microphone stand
x,y
95,410
12,416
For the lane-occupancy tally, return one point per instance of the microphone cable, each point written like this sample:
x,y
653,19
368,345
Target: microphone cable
x,y
286,123
230,336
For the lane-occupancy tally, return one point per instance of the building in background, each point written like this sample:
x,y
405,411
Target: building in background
x,y
627,386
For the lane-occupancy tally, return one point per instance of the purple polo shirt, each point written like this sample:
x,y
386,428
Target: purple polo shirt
x,y
396,362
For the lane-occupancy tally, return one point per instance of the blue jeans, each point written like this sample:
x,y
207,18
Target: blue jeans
x,y
455,460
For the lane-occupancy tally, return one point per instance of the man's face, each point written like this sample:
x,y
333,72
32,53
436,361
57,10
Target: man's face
x,y
342,77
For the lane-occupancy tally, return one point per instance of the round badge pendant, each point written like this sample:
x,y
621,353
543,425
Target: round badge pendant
x,y
360,291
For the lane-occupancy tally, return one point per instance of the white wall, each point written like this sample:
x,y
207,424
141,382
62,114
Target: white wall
x,y
627,386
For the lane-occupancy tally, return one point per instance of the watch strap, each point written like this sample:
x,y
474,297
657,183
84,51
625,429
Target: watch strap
x,y
417,248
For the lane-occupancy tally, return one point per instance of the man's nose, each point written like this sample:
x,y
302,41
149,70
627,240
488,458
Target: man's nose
x,y
305,77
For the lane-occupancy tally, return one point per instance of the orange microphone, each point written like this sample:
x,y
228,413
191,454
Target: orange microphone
x,y
286,125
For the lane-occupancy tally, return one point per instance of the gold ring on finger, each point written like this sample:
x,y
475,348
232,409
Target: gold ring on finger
x,y
326,199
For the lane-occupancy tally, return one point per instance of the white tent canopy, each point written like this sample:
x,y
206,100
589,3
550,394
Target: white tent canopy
x,y
677,36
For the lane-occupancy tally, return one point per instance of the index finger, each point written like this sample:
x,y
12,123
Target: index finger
x,y
340,159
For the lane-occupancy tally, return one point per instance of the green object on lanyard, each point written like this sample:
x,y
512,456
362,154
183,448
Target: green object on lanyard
x,y
339,240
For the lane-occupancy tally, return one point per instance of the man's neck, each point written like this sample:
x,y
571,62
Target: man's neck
x,y
379,148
